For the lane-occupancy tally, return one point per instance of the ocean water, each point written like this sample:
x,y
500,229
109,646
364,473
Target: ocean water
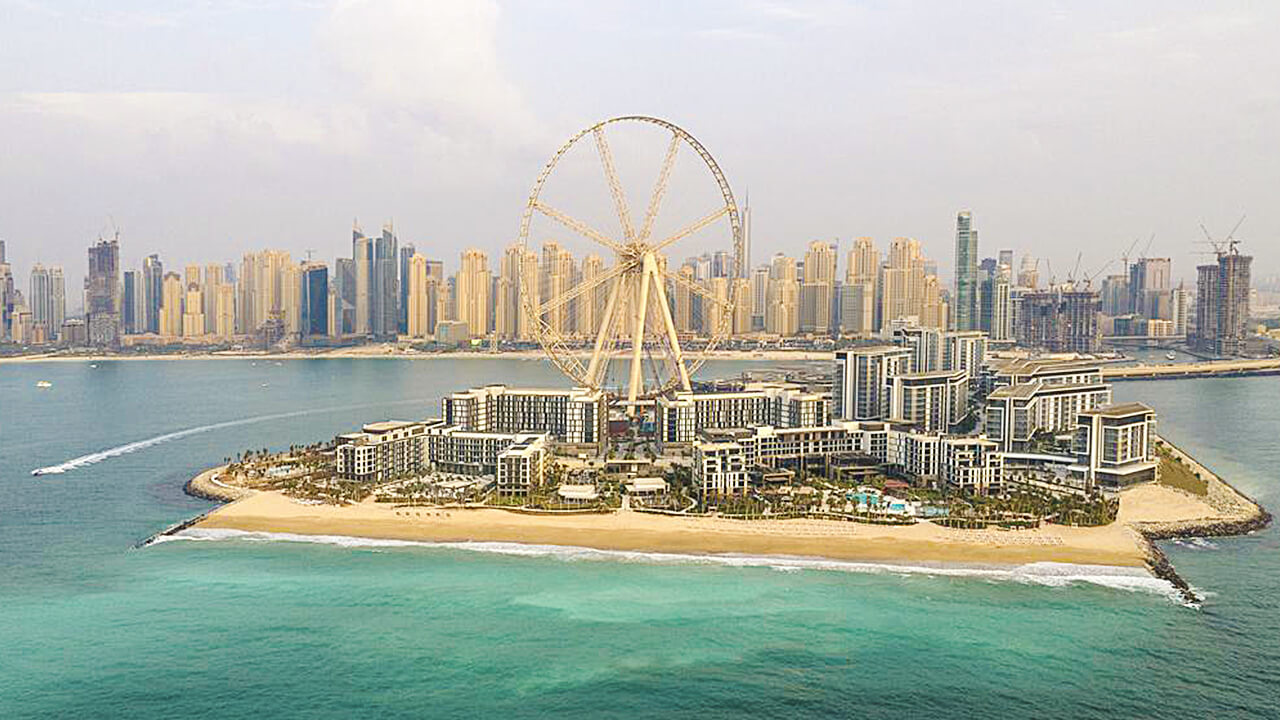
x,y
242,625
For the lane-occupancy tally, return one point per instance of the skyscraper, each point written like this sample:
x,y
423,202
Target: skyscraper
x,y
1029,273
759,295
995,304
133,310
344,282
407,251
152,293
556,278
782,297
214,279
224,326
907,292
1222,303
385,293
857,296
314,321
57,300
39,299
421,299
102,293
7,299
362,254
171,302
817,293
473,287
966,300
1149,285
193,306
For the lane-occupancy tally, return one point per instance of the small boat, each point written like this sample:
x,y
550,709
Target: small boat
x,y
1171,355
93,365
266,384
44,384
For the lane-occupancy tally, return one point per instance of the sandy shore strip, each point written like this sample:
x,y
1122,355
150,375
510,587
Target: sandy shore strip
x,y
1116,544
391,352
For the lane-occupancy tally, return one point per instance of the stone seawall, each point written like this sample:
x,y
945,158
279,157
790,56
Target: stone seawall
x,y
207,487
1238,514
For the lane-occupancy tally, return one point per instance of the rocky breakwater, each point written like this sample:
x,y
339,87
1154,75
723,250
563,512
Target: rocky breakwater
x,y
1234,513
208,486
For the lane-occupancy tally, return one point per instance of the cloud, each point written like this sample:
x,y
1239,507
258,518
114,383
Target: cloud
x,y
193,119
437,61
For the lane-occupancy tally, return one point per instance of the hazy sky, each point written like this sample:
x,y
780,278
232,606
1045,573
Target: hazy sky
x,y
210,128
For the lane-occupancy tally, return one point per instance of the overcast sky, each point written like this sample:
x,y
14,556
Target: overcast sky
x,y
206,129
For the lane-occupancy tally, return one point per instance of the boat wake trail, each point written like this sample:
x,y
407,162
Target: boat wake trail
x,y
97,457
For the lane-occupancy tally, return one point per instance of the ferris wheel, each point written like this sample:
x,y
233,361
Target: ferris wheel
x,y
626,340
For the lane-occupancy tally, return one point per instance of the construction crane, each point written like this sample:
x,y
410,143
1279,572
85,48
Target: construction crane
x,y
115,231
1146,248
1088,279
1124,256
1226,246
1071,276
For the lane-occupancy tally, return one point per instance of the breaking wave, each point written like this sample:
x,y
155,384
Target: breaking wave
x,y
1049,574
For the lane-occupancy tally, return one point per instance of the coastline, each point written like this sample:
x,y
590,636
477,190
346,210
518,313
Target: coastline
x,y
387,352
1148,514
631,531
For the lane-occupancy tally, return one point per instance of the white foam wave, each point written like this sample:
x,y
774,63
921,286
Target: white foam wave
x,y
97,457
1048,574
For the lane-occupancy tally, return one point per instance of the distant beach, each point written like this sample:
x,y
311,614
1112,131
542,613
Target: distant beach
x,y
391,352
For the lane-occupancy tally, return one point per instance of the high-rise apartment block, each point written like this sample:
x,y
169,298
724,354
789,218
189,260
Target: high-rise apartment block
x,y
102,294
966,299
1222,303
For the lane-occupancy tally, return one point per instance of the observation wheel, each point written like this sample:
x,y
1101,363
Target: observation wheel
x,y
623,320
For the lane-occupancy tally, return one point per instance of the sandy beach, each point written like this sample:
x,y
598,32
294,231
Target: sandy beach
x,y
392,352
1116,544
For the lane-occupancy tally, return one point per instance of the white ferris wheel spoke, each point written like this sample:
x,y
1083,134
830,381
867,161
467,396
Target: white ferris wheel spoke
x,y
576,225
615,185
693,227
695,288
583,288
660,187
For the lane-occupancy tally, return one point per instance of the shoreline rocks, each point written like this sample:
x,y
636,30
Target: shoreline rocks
x,y
206,487
1240,515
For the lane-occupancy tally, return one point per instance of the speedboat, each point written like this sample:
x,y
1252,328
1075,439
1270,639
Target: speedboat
x,y
42,384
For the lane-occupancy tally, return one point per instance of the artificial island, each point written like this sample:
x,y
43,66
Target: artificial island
x,y
931,440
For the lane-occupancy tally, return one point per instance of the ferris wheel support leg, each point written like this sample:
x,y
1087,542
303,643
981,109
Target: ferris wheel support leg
x,y
606,326
669,324
637,354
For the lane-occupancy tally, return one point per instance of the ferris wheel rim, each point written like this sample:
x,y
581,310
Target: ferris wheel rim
x,y
554,345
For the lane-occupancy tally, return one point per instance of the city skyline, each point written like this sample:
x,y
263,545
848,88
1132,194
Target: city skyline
x,y
882,158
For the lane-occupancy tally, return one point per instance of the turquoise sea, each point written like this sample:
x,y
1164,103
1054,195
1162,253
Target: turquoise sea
x,y
91,628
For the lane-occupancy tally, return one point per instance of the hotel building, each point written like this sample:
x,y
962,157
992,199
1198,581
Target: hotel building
x,y
930,401
574,417
860,387
1015,414
450,448
381,451
1115,445
523,466
682,415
